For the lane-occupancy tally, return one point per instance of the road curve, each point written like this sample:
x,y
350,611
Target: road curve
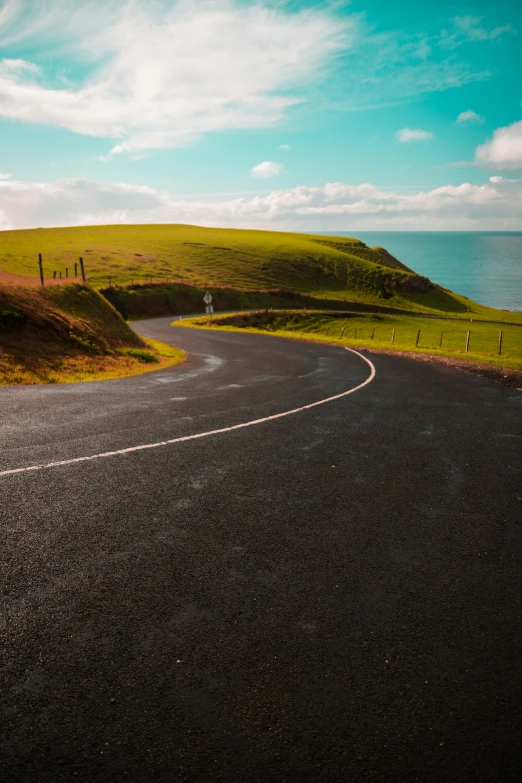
x,y
329,596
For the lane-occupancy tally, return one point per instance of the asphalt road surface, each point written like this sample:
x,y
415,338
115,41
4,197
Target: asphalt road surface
x,y
334,595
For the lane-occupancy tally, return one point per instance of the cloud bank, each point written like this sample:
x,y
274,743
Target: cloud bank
x,y
153,74
494,205
149,74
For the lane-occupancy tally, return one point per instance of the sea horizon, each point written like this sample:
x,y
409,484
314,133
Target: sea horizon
x,y
485,266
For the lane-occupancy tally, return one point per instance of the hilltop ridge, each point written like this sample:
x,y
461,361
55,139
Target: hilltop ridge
x,y
327,268
246,259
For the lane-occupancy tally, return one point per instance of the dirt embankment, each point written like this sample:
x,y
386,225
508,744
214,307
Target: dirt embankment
x,y
157,299
65,333
151,300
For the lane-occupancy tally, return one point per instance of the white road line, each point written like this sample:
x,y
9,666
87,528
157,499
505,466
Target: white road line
x,y
200,434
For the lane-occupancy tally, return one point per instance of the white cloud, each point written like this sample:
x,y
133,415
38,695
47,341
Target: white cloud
x,y
406,134
470,29
5,176
504,150
470,117
390,67
285,147
17,67
456,164
165,72
494,205
267,169
160,73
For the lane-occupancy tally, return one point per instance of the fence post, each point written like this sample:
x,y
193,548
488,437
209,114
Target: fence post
x,y
499,343
60,275
54,275
327,328
467,340
440,341
418,337
342,330
393,335
40,265
373,332
82,267
66,271
75,269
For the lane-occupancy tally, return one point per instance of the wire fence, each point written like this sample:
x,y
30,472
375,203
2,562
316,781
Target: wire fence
x,y
487,341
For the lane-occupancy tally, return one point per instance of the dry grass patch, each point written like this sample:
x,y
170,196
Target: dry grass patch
x,y
70,333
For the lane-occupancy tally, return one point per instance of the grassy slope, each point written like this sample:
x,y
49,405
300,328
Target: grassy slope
x,y
329,268
358,330
69,333
156,299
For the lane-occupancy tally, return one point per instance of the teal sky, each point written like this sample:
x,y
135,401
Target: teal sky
x,y
238,113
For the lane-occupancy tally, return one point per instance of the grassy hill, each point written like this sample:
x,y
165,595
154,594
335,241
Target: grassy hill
x,y
385,331
74,332
69,333
327,268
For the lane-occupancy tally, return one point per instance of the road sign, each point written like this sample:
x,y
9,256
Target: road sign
x,y
207,298
209,309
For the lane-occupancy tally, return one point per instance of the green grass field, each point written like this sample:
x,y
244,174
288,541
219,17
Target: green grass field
x,y
376,331
328,268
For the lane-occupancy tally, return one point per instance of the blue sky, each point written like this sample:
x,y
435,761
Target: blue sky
x,y
294,115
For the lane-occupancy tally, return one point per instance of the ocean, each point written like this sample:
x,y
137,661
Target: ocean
x,y
485,266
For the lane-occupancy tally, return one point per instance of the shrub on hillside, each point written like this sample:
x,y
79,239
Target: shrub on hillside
x,y
11,315
139,353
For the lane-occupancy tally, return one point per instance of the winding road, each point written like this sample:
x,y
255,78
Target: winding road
x,y
334,594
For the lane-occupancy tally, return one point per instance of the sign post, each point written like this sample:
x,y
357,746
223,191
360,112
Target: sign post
x,y
208,306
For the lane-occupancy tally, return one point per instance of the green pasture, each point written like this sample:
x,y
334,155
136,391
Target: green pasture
x,y
338,269
401,333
